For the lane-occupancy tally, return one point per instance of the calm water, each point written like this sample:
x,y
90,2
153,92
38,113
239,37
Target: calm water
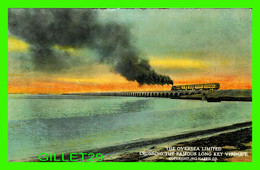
x,y
60,124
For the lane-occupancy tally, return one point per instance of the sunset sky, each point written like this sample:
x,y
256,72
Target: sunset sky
x,y
189,45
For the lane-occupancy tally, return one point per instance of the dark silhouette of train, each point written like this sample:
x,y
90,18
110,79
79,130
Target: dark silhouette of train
x,y
207,86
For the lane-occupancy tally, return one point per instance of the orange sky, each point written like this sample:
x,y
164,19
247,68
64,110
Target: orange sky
x,y
36,86
103,79
40,87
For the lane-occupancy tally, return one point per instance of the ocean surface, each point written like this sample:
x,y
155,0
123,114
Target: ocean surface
x,y
73,123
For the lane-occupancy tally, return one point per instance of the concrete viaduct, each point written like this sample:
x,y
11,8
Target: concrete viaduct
x,y
166,94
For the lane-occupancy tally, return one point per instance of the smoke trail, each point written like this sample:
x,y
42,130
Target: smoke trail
x,y
79,28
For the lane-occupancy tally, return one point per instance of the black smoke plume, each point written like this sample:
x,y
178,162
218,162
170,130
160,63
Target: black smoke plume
x,y
79,28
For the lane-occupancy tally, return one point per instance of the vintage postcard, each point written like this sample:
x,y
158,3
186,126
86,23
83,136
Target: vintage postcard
x,y
129,85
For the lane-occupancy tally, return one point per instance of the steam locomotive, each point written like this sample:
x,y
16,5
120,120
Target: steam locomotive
x,y
207,86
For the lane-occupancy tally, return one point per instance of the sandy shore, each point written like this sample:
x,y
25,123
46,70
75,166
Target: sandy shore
x,y
238,141
236,138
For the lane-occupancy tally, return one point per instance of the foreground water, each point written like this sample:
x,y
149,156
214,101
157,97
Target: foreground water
x,y
61,124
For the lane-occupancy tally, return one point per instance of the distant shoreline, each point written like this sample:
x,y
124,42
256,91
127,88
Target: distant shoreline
x,y
244,95
74,93
222,95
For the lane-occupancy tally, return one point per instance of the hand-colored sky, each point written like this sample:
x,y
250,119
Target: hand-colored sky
x,y
189,45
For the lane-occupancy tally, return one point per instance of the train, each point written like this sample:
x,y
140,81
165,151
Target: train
x,y
207,86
